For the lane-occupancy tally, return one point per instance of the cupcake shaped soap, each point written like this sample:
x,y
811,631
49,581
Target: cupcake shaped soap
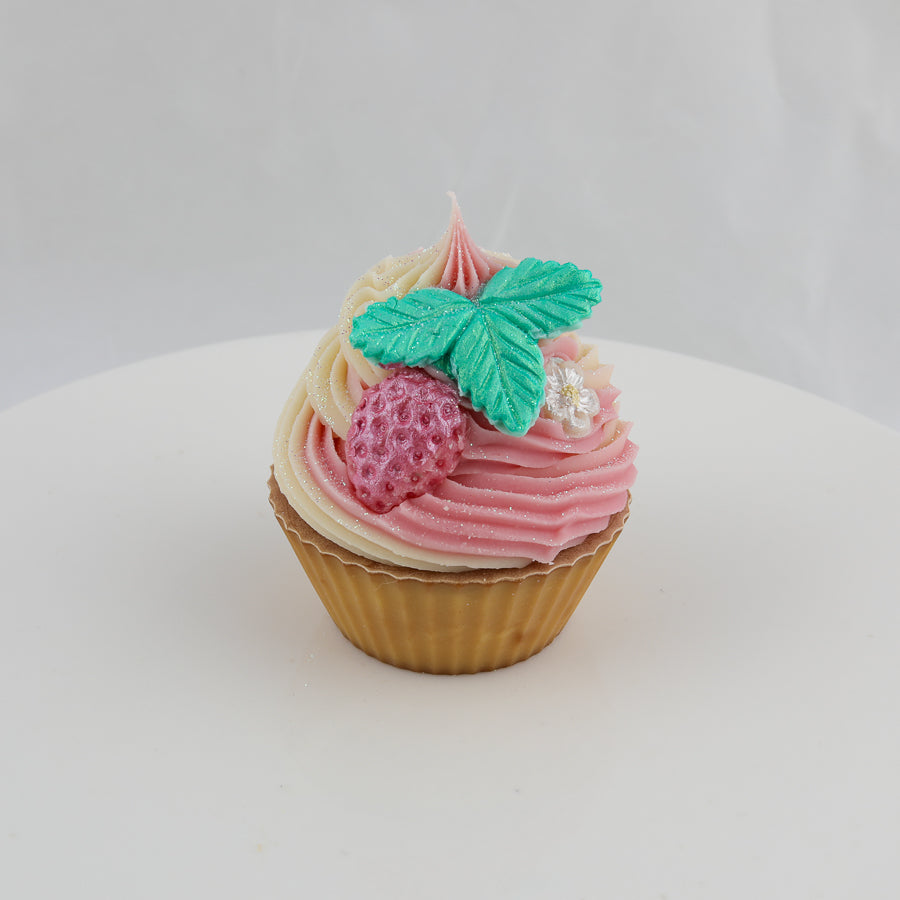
x,y
451,469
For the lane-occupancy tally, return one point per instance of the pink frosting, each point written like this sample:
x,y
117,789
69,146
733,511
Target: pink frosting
x,y
468,266
529,496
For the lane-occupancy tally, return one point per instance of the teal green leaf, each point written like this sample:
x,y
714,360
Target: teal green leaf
x,y
542,298
500,372
418,328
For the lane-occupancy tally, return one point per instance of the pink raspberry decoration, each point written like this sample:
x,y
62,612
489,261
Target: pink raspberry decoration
x,y
406,436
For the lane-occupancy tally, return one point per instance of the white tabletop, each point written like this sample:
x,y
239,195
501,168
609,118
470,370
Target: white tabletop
x,y
182,719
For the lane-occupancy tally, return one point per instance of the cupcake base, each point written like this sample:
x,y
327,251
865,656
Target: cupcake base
x,y
447,623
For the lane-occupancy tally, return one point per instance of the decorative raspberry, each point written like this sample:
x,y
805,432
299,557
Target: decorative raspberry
x,y
406,436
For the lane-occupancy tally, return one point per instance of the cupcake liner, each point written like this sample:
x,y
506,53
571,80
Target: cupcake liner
x,y
444,622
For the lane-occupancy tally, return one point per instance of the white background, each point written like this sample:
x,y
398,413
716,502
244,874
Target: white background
x,y
179,173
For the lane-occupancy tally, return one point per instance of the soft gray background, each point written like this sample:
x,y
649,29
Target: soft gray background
x,y
179,173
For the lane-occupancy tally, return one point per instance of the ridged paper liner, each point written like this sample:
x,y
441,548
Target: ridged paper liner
x,y
446,623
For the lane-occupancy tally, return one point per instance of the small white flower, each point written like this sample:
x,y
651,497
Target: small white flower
x,y
567,400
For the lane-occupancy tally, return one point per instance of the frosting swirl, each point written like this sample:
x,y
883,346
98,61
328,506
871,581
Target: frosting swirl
x,y
510,500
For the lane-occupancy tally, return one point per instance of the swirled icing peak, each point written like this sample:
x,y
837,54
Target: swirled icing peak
x,y
468,267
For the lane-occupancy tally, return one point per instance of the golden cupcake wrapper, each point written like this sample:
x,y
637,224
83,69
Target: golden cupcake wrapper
x,y
446,623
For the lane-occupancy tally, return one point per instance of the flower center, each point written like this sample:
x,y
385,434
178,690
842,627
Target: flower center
x,y
570,394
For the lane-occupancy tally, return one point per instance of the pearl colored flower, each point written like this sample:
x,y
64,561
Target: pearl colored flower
x,y
567,400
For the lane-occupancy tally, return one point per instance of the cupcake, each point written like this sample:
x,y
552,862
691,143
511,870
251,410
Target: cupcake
x,y
450,469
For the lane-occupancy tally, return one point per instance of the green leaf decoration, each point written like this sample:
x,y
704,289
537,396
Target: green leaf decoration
x,y
419,327
498,371
543,298
489,345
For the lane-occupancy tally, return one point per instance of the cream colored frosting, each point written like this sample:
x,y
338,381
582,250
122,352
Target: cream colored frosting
x,y
510,501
